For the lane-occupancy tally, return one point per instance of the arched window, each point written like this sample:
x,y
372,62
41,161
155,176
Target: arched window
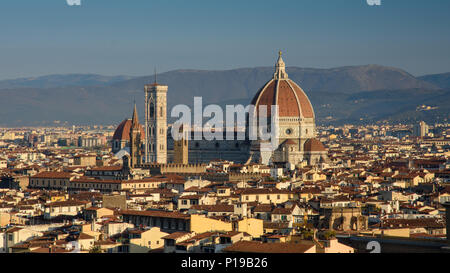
x,y
152,110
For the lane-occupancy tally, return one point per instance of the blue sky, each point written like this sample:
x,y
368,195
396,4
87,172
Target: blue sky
x,y
119,37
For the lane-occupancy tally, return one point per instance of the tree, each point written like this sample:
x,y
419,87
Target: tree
x,y
95,249
307,234
329,234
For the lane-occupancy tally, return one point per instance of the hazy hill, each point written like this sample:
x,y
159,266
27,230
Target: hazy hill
x,y
79,105
216,86
62,80
338,95
390,105
441,80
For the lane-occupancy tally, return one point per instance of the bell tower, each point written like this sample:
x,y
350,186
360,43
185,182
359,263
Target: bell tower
x,y
181,148
156,123
135,141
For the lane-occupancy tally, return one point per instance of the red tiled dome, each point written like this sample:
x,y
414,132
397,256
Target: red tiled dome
x,y
123,130
313,145
282,91
290,98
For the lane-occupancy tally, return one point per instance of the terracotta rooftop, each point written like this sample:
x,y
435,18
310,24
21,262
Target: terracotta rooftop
x,y
107,168
313,145
175,235
67,203
214,208
258,247
156,213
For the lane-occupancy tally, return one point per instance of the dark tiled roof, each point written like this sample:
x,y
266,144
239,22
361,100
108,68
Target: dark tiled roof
x,y
155,213
258,247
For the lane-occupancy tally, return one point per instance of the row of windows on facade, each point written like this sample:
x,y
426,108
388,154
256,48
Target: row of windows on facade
x,y
257,197
159,222
217,145
77,209
152,131
193,202
152,111
94,185
103,172
64,183
152,147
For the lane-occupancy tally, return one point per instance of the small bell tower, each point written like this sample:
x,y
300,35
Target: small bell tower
x,y
135,141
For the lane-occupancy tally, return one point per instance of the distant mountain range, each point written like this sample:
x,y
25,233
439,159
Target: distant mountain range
x,y
440,80
353,94
51,81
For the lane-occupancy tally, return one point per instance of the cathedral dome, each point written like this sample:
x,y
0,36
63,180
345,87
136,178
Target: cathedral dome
x,y
282,91
123,130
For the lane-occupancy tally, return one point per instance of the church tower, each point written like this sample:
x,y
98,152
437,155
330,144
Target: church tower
x,y
156,123
181,148
135,141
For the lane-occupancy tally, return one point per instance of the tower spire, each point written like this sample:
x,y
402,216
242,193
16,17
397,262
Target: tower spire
x,y
135,119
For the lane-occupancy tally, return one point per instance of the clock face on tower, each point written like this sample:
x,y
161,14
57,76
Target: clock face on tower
x,y
288,131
